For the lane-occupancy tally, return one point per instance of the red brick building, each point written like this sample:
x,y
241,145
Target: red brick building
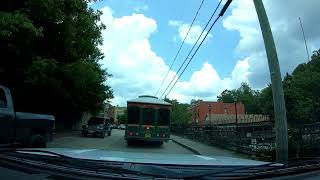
x,y
201,109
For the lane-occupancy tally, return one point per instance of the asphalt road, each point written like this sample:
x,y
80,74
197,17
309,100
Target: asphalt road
x,y
115,142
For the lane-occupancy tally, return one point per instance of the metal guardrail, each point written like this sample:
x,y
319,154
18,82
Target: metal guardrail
x,y
256,139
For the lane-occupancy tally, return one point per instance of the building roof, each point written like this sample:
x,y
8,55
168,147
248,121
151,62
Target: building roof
x,y
149,100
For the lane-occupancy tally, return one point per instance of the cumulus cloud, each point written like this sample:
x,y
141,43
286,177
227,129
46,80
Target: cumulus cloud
x,y
135,67
138,70
193,35
207,84
141,8
283,17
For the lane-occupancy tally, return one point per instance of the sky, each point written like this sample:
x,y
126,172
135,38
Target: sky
x,y
143,36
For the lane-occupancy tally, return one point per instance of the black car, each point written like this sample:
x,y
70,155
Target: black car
x,y
97,126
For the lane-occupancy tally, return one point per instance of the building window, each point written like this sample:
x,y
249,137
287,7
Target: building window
x,y
225,111
198,113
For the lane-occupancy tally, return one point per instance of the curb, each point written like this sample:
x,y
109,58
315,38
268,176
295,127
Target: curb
x,y
187,147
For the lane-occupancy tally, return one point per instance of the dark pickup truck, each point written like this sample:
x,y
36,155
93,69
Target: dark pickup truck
x,y
26,129
97,126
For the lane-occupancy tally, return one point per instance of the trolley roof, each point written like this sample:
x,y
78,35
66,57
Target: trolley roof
x,y
149,100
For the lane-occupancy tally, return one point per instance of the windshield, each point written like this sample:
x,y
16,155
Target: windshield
x,y
148,79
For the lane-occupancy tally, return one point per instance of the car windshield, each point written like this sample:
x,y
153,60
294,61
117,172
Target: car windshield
x,y
162,82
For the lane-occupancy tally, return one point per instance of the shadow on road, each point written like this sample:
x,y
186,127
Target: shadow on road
x,y
145,144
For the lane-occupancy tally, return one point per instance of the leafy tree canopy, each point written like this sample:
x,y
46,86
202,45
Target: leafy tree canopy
x,y
50,56
301,90
179,113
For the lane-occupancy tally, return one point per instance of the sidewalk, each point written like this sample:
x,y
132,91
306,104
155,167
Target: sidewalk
x,y
203,149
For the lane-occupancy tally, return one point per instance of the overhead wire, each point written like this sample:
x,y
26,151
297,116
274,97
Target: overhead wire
x,y
220,15
212,15
194,18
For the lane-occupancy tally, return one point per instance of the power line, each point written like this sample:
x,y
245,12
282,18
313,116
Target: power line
x,y
304,37
214,12
192,56
194,18
220,15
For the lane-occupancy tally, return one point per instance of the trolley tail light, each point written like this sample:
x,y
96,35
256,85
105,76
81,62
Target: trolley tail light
x,y
130,133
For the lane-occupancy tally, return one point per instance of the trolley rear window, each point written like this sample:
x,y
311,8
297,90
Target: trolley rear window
x,y
163,117
148,116
133,115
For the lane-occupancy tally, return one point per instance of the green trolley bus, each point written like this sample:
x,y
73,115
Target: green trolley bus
x,y
148,120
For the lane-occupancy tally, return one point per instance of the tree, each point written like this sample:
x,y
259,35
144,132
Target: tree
x,y
243,94
227,96
302,92
179,113
265,101
50,57
248,97
122,118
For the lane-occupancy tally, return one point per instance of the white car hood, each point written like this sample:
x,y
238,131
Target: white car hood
x,y
151,158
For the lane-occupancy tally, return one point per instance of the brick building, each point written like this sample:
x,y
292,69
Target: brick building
x,y
201,109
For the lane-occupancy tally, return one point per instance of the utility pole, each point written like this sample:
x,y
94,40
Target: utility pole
x,y
209,107
276,83
235,109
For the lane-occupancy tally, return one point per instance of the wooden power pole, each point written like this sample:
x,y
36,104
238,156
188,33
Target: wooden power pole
x,y
276,83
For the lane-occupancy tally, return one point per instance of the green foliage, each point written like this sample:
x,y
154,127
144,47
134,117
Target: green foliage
x,y
179,113
301,90
243,94
265,101
227,96
122,118
50,57
86,81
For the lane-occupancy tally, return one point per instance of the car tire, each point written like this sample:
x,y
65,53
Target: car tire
x,y
84,134
129,142
37,141
109,133
103,135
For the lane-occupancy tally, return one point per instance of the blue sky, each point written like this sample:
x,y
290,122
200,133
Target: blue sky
x,y
142,38
218,50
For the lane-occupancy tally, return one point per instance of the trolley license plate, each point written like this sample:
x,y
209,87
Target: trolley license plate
x,y
147,135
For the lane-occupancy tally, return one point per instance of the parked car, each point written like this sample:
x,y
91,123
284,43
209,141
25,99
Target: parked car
x,y
97,126
122,126
28,129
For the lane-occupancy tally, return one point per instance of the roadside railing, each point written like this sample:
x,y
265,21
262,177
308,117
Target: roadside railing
x,y
255,138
